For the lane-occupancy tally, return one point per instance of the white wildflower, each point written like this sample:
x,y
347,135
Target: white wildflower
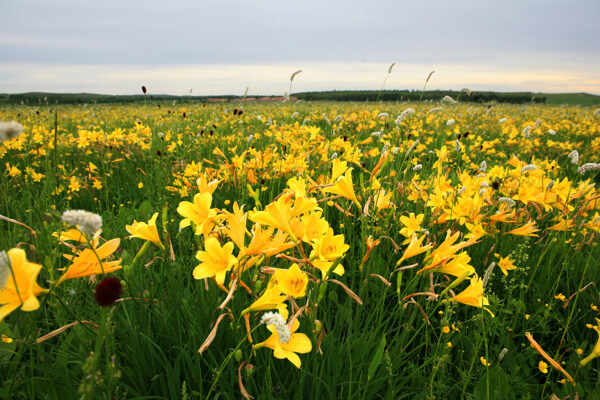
x,y
457,147
306,120
411,148
508,201
485,184
294,115
436,109
259,118
383,115
377,134
488,273
502,354
551,132
395,150
4,269
403,115
450,122
537,124
550,185
597,112
527,132
10,130
588,167
269,122
278,322
250,138
326,119
529,167
574,156
337,119
502,120
462,190
483,166
87,222
482,191
449,100
334,156
160,134
417,167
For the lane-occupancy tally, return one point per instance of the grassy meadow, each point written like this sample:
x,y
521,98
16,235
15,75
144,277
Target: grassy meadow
x,y
300,250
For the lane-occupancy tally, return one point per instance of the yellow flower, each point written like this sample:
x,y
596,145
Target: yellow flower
x,y
543,367
277,215
411,224
77,236
473,295
88,261
198,212
596,351
298,343
528,229
215,261
506,264
344,187
457,266
292,281
484,362
329,247
325,266
414,248
6,339
382,200
24,274
271,299
237,225
146,231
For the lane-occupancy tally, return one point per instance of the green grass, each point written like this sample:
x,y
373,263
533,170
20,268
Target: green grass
x,y
148,343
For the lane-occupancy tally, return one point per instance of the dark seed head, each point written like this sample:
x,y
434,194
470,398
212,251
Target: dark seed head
x,y
495,185
108,291
144,89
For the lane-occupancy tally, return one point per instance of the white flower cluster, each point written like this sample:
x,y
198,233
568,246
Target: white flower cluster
x,y
450,122
278,322
483,166
417,167
294,115
457,146
597,112
250,138
529,167
551,132
326,119
449,100
334,156
4,269
87,222
377,134
403,115
337,119
411,148
502,120
383,115
550,185
574,156
588,167
436,109
508,201
527,132
10,130
537,124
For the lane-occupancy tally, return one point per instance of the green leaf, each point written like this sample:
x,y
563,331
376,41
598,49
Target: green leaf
x,y
376,359
498,388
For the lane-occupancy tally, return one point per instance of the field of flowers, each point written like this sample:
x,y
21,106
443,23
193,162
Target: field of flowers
x,y
299,250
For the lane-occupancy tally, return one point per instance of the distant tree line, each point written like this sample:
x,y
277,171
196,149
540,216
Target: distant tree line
x,y
341,95
429,95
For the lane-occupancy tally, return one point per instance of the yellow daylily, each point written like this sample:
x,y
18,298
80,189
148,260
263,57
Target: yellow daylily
x,y
89,262
329,247
292,281
596,351
344,187
215,260
298,343
473,295
24,274
271,299
146,231
198,212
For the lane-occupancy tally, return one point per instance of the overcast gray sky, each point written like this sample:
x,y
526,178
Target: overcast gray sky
x,y
222,47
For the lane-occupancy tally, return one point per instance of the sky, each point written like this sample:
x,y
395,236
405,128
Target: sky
x,y
225,46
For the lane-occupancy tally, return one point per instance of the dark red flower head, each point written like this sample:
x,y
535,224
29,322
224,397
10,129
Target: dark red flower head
x,y
144,89
108,291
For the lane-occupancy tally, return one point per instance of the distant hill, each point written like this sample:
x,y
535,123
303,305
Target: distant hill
x,y
336,95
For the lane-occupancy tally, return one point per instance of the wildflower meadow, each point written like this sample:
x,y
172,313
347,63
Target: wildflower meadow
x,y
299,250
